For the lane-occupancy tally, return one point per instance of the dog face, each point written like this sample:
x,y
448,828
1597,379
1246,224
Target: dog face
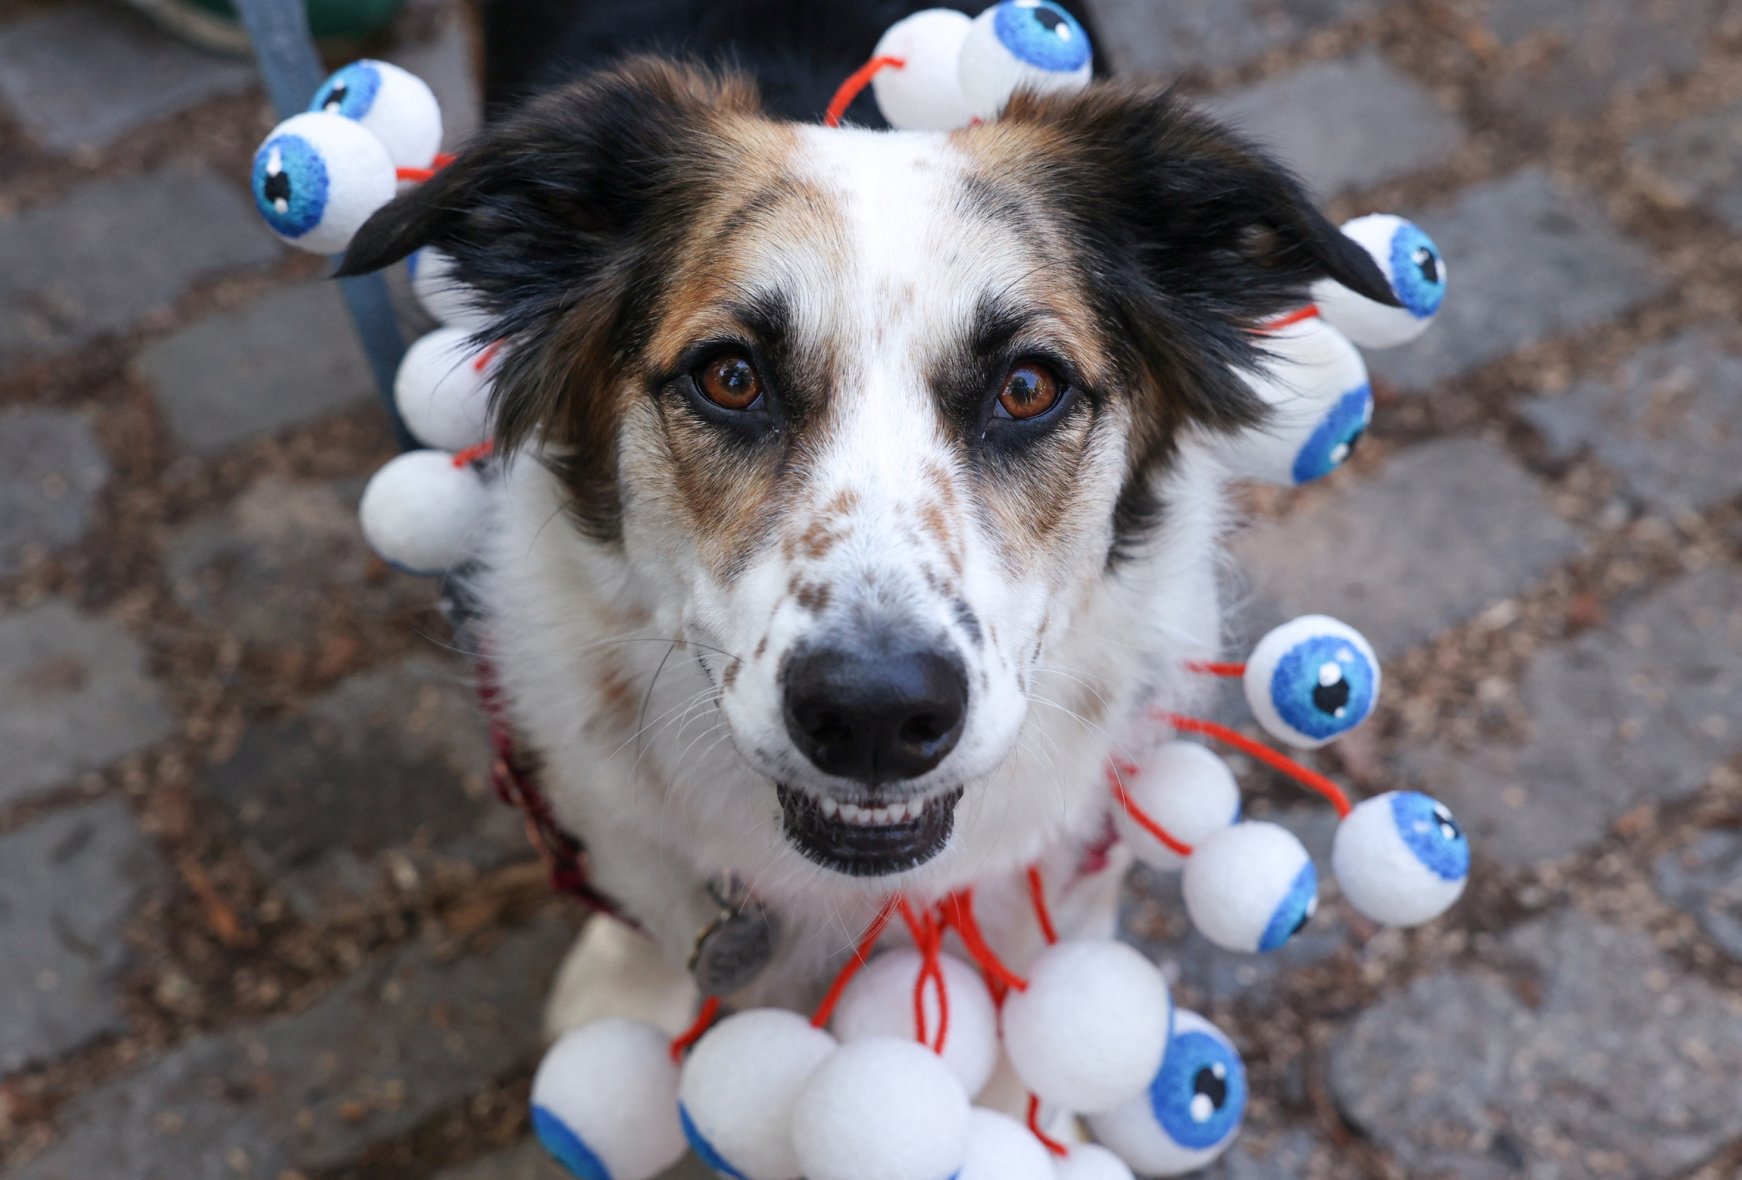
x,y
869,413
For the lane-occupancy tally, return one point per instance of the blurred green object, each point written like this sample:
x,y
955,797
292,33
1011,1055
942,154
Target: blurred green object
x,y
213,24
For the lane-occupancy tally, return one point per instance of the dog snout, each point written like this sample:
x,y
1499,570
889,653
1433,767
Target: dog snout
x,y
875,711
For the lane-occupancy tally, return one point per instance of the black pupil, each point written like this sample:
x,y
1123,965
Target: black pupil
x,y
1214,1088
1024,386
1354,440
278,186
1428,263
1448,826
736,376
1331,697
335,97
1052,20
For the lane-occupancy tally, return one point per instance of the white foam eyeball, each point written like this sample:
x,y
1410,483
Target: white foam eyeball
x,y
395,105
1311,680
1401,859
317,178
1022,45
738,1088
1410,262
1000,1148
1250,887
441,393
420,512
1089,1030
1090,1161
1191,1112
925,94
879,1003
1321,403
604,1102
882,1109
438,292
1185,788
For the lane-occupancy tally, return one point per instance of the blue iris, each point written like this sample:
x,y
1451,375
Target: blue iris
x,y
1294,910
350,92
1323,686
1199,1097
1417,274
290,184
1432,834
1334,440
705,1151
566,1147
1042,35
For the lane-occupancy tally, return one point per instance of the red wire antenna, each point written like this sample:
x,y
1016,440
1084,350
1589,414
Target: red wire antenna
x,y
1142,818
1043,915
851,968
474,453
958,911
1310,779
855,85
1212,668
1300,314
1046,1141
419,175
704,1021
928,938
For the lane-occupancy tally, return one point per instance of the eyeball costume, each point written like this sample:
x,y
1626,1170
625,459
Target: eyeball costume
x,y
1191,1111
1312,680
1187,789
627,1129
1416,270
1321,403
318,177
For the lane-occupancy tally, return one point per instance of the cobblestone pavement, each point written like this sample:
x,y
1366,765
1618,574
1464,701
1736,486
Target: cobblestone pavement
x,y
259,920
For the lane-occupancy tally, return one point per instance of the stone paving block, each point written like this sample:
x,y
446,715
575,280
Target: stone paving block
x,y
1146,37
1443,531
1699,160
1528,260
51,468
288,358
527,1161
111,251
68,884
83,75
404,1037
1669,420
1641,711
1345,124
74,697
1705,879
387,769
1290,1157
1602,1060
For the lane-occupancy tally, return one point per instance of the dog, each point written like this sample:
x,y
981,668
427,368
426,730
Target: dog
x,y
860,489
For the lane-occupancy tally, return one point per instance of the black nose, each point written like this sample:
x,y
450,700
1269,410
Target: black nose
x,y
876,712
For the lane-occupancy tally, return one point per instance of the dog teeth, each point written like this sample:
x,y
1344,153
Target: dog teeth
x,y
869,817
830,808
880,816
853,813
898,814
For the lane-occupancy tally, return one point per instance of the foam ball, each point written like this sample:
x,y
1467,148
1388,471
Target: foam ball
x,y
1022,45
604,1102
440,391
1321,403
1191,1112
1312,680
1185,788
738,1087
317,178
1000,1148
1250,887
1401,859
882,1109
1089,1161
1416,271
420,512
395,105
925,94
879,1003
1090,1029
438,292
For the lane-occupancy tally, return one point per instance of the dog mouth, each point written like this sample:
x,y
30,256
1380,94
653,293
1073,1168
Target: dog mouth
x,y
868,841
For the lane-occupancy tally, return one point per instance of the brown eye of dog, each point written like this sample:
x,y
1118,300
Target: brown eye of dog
x,y
1030,390
730,381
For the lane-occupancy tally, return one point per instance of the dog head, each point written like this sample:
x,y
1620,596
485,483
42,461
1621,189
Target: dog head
x,y
870,414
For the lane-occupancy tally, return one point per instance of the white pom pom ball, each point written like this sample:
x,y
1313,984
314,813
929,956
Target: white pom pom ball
x,y
395,105
1089,1030
738,1087
1416,271
420,513
442,394
881,1109
1321,403
1250,887
604,1102
1090,1161
1186,789
1312,680
1190,1113
925,94
1401,859
444,297
1000,1148
1022,45
317,178
879,1003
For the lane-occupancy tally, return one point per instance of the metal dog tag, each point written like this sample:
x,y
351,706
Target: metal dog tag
x,y
732,950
